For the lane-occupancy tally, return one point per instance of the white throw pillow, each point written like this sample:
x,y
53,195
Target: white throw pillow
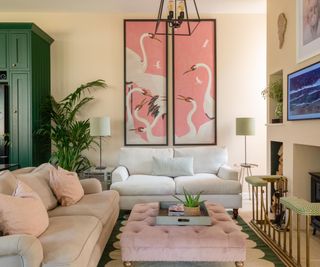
x,y
206,159
138,160
172,167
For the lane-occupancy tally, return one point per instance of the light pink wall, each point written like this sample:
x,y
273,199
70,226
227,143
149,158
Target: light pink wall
x,y
90,46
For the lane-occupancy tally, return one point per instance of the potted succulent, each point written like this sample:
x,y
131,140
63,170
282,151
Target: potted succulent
x,y
275,92
191,203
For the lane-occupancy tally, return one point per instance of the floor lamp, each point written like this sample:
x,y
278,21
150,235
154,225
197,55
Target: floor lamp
x,y
245,127
100,126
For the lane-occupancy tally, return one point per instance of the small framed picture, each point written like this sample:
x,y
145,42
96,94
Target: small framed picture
x,y
304,93
308,29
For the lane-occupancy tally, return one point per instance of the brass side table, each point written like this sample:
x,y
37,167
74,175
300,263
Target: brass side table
x,y
244,172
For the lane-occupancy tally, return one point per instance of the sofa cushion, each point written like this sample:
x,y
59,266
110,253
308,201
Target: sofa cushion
x,y
145,185
23,170
8,183
66,186
38,180
100,205
23,212
206,159
70,240
139,160
207,183
172,167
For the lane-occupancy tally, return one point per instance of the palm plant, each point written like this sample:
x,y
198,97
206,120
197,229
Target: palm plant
x,y
69,136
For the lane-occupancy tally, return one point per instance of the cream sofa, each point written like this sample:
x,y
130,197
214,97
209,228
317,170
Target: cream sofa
x,y
135,183
76,235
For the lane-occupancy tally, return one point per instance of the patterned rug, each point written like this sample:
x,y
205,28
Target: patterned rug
x,y
258,253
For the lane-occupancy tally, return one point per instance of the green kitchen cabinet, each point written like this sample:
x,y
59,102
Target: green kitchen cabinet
x,y
27,62
3,50
18,50
20,128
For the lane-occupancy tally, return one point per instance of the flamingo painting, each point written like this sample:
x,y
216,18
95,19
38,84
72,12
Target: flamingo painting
x,y
191,134
195,77
208,101
147,127
136,64
130,126
203,133
145,68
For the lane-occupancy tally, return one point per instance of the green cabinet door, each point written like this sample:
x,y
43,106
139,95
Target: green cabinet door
x,y
3,50
20,120
18,51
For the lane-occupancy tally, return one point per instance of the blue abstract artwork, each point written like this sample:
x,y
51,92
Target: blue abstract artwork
x,y
304,93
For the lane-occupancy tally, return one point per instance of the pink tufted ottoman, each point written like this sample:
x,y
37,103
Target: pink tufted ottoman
x,y
142,240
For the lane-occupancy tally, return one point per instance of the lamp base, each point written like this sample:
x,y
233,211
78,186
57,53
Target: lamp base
x,y
100,167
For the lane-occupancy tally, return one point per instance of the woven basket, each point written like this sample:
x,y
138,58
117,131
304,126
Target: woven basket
x,y
192,211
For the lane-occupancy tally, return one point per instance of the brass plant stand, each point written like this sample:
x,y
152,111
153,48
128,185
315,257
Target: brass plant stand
x,y
274,231
270,229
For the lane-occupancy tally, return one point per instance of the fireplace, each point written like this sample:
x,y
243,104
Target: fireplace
x,y
276,167
315,197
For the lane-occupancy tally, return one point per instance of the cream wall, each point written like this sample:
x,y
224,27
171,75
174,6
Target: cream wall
x,y
291,133
90,46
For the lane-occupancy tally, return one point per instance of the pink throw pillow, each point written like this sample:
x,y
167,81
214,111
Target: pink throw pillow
x,y
23,212
66,186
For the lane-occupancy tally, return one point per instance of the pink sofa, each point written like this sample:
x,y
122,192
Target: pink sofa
x,y
76,235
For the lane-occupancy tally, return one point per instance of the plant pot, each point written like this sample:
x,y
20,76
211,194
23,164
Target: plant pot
x,y
276,120
192,211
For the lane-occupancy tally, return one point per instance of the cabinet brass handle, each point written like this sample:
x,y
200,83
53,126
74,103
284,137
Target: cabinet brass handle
x,y
16,111
14,65
183,220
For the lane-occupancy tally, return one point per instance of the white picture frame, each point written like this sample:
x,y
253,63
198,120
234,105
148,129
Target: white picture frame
x,y
307,29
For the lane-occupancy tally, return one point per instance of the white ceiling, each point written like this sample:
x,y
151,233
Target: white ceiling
x,y
128,6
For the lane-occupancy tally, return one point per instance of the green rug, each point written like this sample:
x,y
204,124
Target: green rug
x,y
258,253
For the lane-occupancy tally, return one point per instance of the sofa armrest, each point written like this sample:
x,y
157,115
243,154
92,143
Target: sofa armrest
x,y
91,186
120,174
27,247
228,173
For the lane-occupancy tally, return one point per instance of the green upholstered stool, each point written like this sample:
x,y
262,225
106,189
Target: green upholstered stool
x,y
301,207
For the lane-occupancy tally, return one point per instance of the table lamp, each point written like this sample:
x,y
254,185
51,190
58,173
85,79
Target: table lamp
x,y
245,126
100,126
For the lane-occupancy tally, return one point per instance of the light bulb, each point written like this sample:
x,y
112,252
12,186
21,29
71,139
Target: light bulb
x,y
170,5
180,6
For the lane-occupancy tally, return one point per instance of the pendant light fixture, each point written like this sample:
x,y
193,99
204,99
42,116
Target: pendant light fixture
x,y
177,18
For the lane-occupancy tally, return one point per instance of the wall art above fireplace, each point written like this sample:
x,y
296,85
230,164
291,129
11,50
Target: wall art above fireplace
x,y
304,93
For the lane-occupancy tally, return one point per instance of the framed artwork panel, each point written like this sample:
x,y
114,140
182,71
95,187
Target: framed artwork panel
x,y
194,86
308,29
145,84
304,93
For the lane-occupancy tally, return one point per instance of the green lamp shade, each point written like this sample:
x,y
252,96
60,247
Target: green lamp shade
x,y
245,126
100,126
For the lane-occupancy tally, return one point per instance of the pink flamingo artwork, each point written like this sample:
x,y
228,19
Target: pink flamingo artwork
x,y
145,68
195,78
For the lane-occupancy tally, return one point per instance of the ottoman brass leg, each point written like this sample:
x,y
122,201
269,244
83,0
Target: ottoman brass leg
x,y
235,213
239,263
127,264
